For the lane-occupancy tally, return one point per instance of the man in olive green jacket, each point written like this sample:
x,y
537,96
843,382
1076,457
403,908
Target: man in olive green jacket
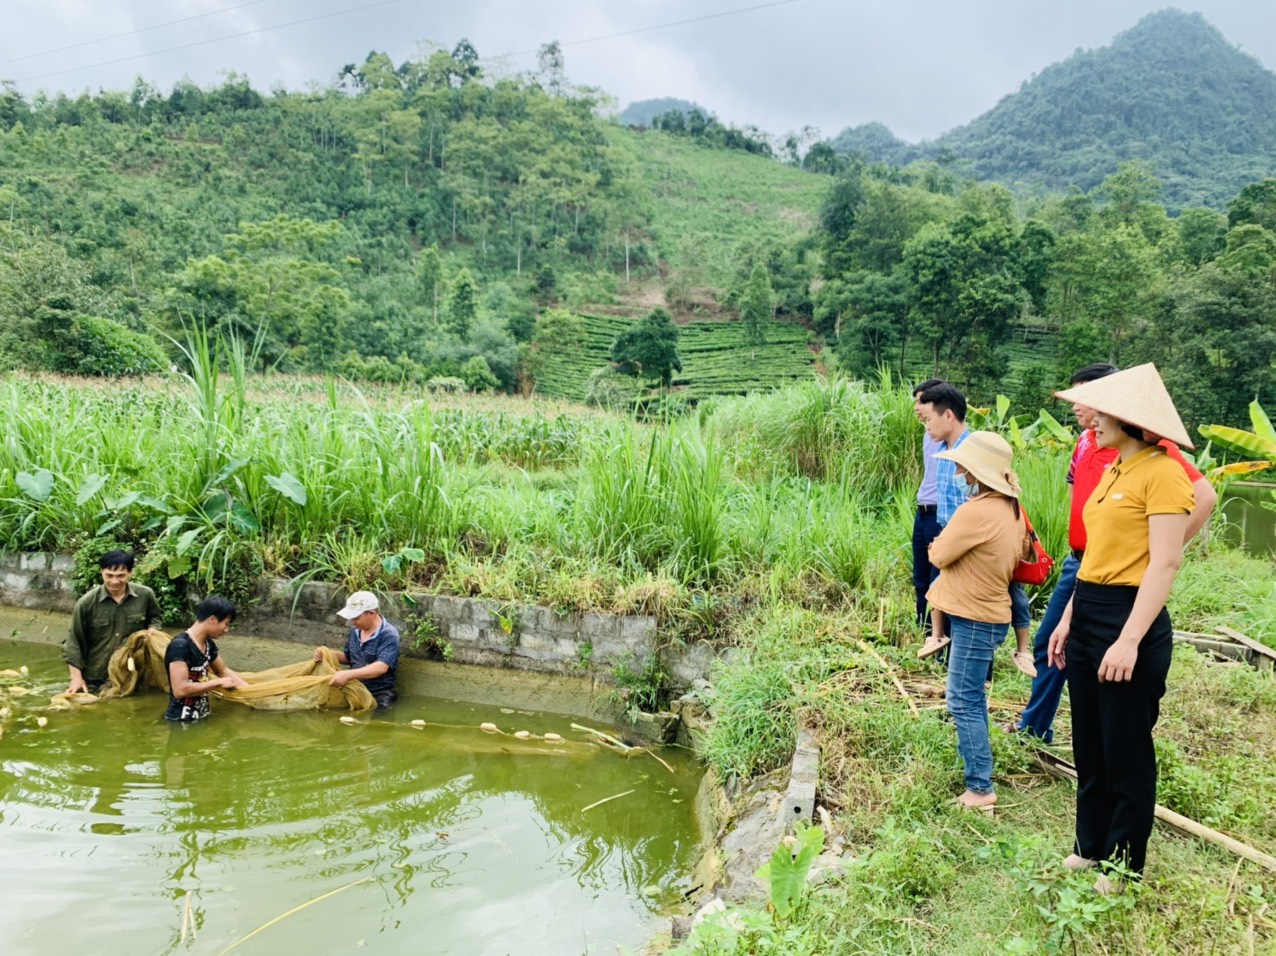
x,y
103,618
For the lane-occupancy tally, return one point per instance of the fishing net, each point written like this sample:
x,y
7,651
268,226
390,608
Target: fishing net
x,y
138,665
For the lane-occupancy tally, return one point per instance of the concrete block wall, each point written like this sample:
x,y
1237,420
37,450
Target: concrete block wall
x,y
479,631
37,580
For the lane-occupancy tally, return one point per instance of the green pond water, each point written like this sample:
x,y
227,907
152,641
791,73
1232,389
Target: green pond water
x,y
469,843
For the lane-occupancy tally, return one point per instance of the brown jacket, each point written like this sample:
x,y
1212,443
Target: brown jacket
x,y
976,553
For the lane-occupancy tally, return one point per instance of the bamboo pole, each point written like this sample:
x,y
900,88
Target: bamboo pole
x,y
890,671
295,909
599,803
1176,821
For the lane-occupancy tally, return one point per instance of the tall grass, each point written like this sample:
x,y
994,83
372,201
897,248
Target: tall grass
x,y
804,494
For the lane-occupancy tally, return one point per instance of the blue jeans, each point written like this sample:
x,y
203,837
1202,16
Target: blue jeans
x,y
1047,686
925,530
1019,614
970,657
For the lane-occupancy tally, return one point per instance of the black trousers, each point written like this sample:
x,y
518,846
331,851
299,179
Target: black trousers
x,y
1112,725
925,530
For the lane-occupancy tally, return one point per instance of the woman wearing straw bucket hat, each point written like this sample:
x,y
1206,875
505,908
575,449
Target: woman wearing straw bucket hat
x,y
1115,638
976,553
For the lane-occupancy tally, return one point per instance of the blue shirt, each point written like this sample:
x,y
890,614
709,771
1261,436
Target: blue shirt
x,y
928,493
951,490
382,646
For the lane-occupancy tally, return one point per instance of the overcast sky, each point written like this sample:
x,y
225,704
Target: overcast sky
x,y
919,66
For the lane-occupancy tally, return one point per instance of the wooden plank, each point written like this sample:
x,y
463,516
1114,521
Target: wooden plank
x,y
1260,649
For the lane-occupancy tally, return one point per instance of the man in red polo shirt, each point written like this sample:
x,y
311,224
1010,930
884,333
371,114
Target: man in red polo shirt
x,y
1089,462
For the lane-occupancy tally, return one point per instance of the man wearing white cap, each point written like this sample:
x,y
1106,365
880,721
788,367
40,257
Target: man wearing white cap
x,y
372,648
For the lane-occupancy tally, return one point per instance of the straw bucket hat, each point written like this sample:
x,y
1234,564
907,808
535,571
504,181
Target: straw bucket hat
x,y
986,455
1136,396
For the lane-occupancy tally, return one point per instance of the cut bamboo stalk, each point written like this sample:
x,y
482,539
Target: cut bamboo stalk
x,y
1176,821
602,736
614,796
890,671
295,909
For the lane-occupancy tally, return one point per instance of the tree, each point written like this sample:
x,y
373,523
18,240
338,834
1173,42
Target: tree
x,y
429,278
1255,204
462,306
271,286
757,305
649,350
868,314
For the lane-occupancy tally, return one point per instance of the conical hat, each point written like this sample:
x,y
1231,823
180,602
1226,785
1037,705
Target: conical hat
x,y
1137,396
986,455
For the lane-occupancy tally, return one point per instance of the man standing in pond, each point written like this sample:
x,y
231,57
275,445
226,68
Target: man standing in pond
x,y
372,649
103,618
195,665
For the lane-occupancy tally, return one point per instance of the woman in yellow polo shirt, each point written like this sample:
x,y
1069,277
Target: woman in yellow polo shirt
x,y
1116,631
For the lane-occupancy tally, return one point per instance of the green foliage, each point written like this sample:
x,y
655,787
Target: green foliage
x,y
643,686
786,872
424,634
757,306
649,350
88,345
462,307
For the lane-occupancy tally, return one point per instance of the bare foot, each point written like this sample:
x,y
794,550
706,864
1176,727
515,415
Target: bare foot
x,y
1077,862
1107,887
977,801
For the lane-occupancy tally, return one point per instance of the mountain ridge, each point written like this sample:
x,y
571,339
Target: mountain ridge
x,y
1170,91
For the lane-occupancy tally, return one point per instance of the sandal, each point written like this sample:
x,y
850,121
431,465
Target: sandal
x,y
1023,661
933,646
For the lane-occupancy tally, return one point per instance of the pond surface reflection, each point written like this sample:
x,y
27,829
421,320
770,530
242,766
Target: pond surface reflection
x,y
466,842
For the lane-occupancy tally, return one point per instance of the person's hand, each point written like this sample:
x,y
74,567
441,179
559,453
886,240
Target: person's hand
x,y
218,683
1118,663
318,653
234,682
339,679
1055,655
78,686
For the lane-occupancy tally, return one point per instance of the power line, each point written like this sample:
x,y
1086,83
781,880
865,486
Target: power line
x,y
661,26
368,6
129,33
187,46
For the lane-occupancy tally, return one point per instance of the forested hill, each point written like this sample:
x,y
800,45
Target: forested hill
x,y
642,112
409,221
1171,91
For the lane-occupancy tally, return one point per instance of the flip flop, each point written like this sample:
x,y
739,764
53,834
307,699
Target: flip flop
x,y
1023,661
933,646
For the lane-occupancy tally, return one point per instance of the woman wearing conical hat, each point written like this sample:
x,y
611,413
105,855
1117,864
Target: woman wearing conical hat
x,y
977,552
1115,638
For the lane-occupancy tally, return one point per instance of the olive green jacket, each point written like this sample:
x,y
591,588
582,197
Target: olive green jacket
x,y
99,626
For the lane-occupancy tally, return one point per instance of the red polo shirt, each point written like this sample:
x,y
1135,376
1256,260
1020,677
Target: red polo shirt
x,y
1089,462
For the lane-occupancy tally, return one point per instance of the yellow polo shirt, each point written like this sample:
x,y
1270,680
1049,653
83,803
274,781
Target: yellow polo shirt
x,y
1116,516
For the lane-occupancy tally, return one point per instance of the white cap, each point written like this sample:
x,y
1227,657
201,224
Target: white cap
x,y
357,603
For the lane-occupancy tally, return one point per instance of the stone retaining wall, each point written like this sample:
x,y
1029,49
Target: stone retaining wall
x,y
477,631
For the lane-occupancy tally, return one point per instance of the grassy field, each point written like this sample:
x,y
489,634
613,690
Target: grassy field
x,y
716,359
709,203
